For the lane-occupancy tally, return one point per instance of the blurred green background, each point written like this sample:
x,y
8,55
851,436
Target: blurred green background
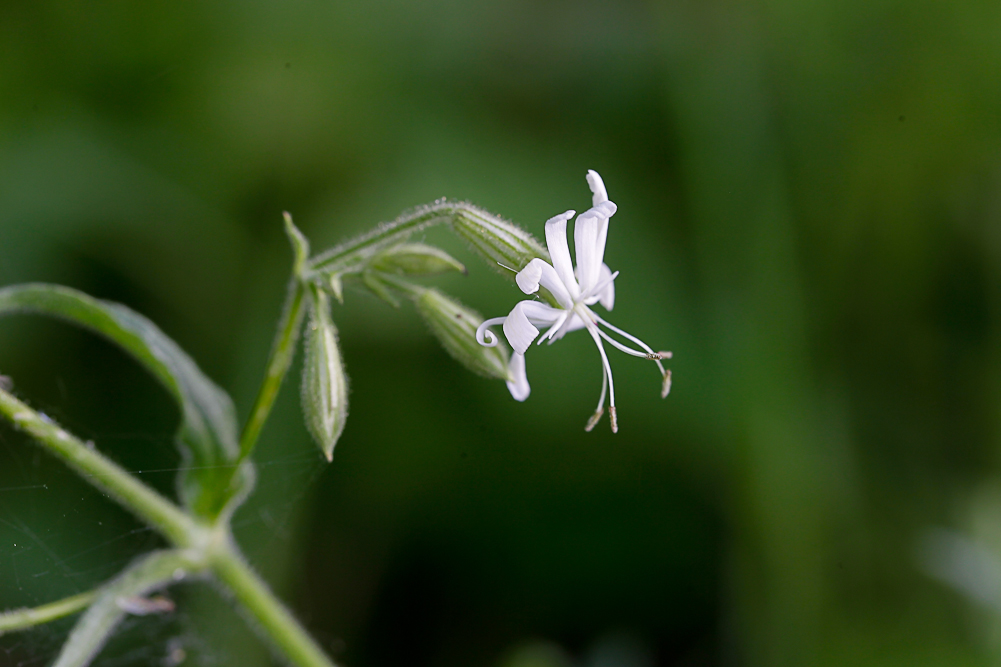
x,y
809,197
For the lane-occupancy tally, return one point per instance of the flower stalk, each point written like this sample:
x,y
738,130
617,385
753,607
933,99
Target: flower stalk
x,y
22,619
161,514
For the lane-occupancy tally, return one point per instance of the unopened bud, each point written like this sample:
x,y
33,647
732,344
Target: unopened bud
x,y
454,326
416,259
500,242
324,383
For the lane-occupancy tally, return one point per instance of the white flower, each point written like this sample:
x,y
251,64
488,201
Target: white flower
x,y
575,292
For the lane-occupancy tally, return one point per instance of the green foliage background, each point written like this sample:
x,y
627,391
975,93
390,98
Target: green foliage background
x,y
809,197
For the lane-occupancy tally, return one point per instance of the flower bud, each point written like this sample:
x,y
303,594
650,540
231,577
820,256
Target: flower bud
x,y
454,326
324,384
415,259
497,240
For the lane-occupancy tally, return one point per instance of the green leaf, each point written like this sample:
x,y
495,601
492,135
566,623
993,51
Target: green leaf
x,y
207,436
324,383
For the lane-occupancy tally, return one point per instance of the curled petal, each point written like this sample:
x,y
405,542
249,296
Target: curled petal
x,y
559,250
484,336
518,384
519,326
597,187
539,272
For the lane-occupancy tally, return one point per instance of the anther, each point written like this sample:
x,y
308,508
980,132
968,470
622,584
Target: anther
x,y
615,420
666,387
595,418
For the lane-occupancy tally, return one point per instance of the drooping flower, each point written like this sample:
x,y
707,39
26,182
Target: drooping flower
x,y
575,292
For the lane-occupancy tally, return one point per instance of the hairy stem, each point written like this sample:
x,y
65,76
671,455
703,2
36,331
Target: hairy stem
x,y
22,619
350,252
103,473
282,353
495,239
92,631
273,618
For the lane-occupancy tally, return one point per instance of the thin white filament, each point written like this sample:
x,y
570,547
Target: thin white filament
x,y
620,346
632,338
604,361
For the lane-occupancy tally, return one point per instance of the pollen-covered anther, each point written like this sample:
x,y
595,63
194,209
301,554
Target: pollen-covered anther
x,y
666,387
657,356
614,419
593,421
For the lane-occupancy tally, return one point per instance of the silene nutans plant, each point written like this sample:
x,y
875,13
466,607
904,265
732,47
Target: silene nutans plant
x,y
217,471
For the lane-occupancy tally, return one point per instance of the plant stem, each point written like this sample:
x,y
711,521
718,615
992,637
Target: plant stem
x,y
103,473
494,238
276,621
348,252
22,619
278,364
152,571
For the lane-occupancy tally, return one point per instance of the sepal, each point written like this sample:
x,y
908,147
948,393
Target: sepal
x,y
415,259
499,242
455,326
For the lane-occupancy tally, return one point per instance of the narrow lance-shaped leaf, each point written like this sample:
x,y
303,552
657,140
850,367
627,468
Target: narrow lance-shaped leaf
x,y
324,383
207,435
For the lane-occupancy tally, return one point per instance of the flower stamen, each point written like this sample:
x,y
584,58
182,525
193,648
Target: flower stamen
x,y
596,417
644,346
608,372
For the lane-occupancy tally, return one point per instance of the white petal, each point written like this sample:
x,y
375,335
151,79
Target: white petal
x,y
597,187
590,232
607,296
572,324
518,386
519,327
555,327
559,250
539,272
